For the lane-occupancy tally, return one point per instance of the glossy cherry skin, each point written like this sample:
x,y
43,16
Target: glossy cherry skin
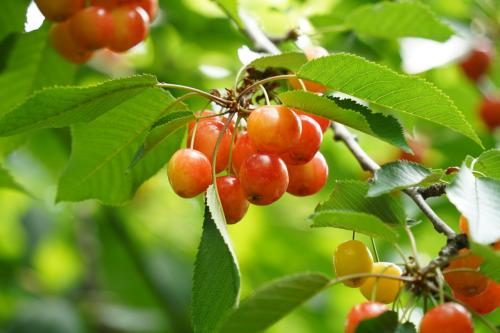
x,y
59,10
264,178
447,318
323,123
484,303
309,178
466,283
352,257
477,63
308,145
189,173
151,7
92,27
490,112
311,53
386,289
206,136
130,27
66,46
362,312
203,114
111,3
243,149
274,128
233,198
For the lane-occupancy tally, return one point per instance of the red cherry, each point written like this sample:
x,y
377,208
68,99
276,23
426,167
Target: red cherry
x,y
243,149
274,128
205,141
264,178
447,318
323,123
308,145
309,178
131,27
233,198
466,283
189,173
204,113
150,6
490,112
65,45
59,10
109,4
477,63
486,302
361,312
92,27
419,150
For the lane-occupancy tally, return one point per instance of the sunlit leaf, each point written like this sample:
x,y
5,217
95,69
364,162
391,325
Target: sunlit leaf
x,y
291,61
12,16
488,164
7,181
231,9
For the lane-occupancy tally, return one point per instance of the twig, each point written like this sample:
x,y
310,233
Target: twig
x,y
435,190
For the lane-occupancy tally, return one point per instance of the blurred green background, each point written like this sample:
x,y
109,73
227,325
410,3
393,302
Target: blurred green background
x,y
82,267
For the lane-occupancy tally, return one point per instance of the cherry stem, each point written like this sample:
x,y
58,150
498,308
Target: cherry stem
x,y
263,81
413,244
218,100
377,258
216,150
266,96
233,138
370,275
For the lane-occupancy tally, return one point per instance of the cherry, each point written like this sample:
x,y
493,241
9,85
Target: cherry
x,y
59,10
490,111
308,145
111,3
352,257
206,136
464,225
189,172
382,290
484,303
233,198
274,128
362,312
204,113
309,178
466,283
323,123
447,318
243,149
264,178
131,27
92,27
150,6
419,150
477,63
68,48
311,53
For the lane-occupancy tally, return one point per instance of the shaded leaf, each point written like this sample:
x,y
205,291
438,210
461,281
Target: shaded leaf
x,y
488,163
491,264
478,200
388,89
406,328
291,61
362,223
273,302
398,19
387,322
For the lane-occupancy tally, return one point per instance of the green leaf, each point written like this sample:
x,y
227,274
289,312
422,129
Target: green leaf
x,y
491,264
387,322
216,280
160,132
363,223
230,7
7,181
31,64
291,61
406,328
400,175
12,16
350,195
478,200
383,127
273,302
488,163
102,150
64,106
388,89
398,19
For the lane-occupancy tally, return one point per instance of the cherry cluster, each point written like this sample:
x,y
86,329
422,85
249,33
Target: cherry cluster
x,y
82,26
277,152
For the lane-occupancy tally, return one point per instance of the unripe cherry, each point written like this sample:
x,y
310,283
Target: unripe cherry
x,y
447,318
384,290
490,111
189,172
274,128
484,303
233,198
352,257
243,149
323,122
206,136
362,312
308,145
92,27
466,283
59,10
264,178
309,178
66,46
130,27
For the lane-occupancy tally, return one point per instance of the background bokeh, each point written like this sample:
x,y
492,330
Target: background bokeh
x,y
82,267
